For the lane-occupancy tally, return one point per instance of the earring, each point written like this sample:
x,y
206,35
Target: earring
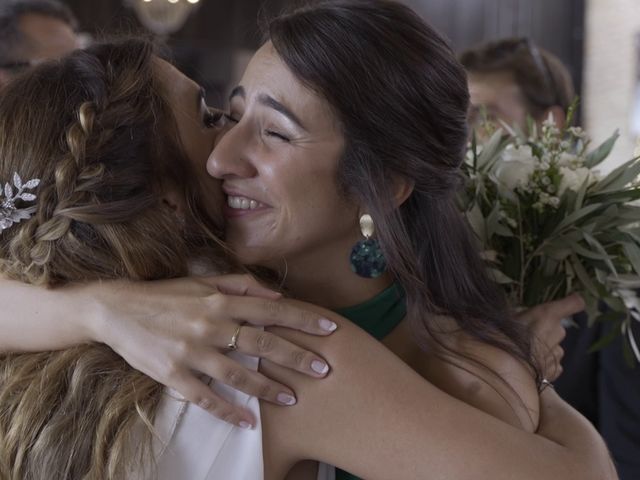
x,y
366,258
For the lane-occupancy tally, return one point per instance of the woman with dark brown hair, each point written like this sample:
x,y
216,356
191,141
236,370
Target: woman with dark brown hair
x,y
306,113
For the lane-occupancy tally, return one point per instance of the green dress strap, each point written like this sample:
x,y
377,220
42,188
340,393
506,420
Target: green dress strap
x,y
378,317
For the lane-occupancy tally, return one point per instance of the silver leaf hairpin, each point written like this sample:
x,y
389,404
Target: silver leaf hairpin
x,y
9,213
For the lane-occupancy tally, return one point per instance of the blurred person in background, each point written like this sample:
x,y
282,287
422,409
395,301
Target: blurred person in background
x,y
32,31
509,80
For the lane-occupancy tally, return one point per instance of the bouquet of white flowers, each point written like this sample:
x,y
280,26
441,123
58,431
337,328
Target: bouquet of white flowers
x,y
550,224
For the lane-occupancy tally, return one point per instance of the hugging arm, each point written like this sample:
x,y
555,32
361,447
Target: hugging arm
x,y
375,417
491,379
171,330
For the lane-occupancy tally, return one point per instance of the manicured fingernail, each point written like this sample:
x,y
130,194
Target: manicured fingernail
x,y
245,425
327,325
319,367
286,399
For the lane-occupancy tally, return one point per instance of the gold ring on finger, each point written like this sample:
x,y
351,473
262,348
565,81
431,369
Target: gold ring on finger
x,y
233,344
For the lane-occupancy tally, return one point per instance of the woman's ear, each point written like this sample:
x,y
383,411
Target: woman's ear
x,y
402,189
172,199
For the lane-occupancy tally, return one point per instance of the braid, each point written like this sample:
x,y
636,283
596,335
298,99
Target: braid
x,y
87,176
101,150
51,224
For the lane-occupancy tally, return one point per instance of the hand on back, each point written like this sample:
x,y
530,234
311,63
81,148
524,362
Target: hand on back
x,y
179,331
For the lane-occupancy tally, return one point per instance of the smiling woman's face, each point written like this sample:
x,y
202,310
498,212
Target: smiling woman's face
x,y
278,160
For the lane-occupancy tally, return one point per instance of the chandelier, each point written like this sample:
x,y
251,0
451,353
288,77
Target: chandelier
x,y
163,17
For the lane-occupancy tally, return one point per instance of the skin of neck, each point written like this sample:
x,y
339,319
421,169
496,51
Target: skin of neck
x,y
324,277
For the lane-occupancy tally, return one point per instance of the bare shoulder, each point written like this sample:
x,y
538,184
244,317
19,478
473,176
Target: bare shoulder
x,y
333,415
376,417
484,376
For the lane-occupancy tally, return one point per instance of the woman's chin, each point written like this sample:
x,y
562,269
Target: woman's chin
x,y
256,256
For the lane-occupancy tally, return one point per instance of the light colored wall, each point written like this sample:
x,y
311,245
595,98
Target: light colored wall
x,y
610,73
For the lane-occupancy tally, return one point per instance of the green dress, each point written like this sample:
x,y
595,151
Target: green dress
x,y
378,316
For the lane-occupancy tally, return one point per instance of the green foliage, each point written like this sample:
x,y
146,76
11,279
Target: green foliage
x,y
549,223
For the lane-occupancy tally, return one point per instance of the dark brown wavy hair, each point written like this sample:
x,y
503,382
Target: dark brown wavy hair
x,y
95,128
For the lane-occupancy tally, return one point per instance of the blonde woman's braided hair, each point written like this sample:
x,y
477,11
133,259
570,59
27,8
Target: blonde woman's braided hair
x,y
96,131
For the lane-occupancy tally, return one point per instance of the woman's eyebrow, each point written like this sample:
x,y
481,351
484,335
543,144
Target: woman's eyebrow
x,y
270,102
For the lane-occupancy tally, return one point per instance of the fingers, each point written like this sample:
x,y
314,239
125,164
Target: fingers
x,y
268,312
258,343
553,312
558,354
242,285
226,370
195,391
555,335
565,307
553,363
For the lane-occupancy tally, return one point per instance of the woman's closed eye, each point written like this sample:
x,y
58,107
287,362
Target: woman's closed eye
x,y
279,136
212,117
233,118
230,118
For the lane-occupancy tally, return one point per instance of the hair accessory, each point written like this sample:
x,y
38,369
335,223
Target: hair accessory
x,y
366,258
9,213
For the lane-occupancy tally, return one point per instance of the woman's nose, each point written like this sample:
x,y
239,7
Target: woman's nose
x,y
231,157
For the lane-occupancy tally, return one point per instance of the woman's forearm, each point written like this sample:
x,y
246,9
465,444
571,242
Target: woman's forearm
x,y
37,319
174,331
562,424
378,419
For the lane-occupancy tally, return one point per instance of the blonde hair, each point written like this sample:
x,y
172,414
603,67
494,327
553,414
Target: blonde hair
x,y
97,132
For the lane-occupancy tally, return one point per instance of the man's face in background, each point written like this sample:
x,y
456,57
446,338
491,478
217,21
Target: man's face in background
x,y
43,38
48,37
498,96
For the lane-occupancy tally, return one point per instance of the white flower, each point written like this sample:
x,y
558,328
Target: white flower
x,y
577,132
550,121
567,160
574,178
515,167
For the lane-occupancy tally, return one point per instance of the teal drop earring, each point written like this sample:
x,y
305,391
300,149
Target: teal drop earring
x,y
366,257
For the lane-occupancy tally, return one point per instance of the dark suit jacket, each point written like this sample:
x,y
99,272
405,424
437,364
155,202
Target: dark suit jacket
x,y
606,390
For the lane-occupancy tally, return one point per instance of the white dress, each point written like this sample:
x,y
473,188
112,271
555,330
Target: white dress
x,y
192,444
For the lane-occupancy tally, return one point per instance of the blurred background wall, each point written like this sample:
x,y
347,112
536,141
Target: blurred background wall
x,y
612,77
595,38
